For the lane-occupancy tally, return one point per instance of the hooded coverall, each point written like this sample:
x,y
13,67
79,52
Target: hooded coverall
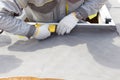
x,y
41,11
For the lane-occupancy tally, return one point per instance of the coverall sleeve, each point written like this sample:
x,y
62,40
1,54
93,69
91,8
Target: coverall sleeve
x,y
8,22
90,7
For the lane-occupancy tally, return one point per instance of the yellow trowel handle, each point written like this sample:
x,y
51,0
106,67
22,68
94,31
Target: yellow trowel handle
x,y
52,27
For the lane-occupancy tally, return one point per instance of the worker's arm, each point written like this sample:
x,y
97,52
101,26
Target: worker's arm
x,y
8,22
8,10
90,7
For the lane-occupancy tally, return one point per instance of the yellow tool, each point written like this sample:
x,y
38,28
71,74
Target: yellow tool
x,y
52,27
92,16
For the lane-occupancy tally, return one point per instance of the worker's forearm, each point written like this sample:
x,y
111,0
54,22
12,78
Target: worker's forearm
x,y
90,7
15,26
8,22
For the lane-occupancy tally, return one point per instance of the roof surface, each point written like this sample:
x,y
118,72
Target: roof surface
x,y
83,54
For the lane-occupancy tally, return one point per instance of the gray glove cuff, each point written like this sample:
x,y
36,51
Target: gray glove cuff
x,y
78,15
31,32
81,13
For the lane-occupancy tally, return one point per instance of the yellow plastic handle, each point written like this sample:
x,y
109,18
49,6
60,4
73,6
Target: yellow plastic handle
x,y
52,27
92,16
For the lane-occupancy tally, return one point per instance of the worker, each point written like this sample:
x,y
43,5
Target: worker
x,y
67,13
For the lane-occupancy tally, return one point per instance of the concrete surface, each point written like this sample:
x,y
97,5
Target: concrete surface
x,y
83,55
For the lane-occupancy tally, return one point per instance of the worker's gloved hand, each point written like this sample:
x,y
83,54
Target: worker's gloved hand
x,y
42,32
67,24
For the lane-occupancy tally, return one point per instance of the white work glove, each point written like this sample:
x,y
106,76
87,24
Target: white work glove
x,y
67,24
42,32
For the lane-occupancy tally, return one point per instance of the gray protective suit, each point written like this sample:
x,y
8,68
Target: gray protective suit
x,y
42,11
